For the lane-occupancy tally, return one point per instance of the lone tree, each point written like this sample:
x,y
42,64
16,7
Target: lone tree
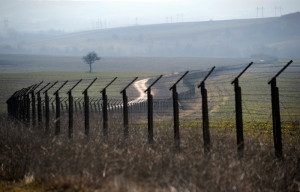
x,y
90,58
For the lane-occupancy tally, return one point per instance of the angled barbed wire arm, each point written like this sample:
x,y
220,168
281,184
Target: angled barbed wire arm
x,y
42,88
57,91
35,87
241,73
111,82
46,90
208,74
154,82
128,85
279,72
69,91
174,85
86,89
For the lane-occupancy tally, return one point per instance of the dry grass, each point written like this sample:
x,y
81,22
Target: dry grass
x,y
46,163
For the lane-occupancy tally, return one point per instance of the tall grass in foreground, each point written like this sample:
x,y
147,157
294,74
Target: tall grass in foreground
x,y
113,164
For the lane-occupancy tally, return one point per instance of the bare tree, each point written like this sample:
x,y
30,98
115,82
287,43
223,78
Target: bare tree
x,y
90,58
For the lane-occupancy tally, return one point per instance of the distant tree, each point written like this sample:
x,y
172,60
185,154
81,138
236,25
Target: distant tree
x,y
90,58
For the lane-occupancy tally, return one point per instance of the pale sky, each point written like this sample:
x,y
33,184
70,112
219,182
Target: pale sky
x,y
75,15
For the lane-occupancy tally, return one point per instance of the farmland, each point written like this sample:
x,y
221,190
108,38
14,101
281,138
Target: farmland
x,y
96,163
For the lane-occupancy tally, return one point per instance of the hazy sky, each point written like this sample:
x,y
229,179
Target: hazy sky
x,y
74,15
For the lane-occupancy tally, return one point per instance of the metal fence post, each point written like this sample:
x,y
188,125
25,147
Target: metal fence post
x,y
125,108
176,112
39,105
276,113
87,109
47,106
239,113
150,110
205,117
28,109
20,104
33,104
71,110
104,107
57,108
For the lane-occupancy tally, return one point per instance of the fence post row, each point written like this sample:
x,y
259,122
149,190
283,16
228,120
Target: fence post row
x,y
205,118
33,104
276,113
87,108
104,107
239,113
176,111
39,105
71,109
47,110
125,108
57,107
150,110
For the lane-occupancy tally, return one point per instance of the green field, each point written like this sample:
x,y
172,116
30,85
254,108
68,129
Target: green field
x,y
31,161
13,81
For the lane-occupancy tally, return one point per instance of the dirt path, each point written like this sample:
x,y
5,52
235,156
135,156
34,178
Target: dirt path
x,y
140,86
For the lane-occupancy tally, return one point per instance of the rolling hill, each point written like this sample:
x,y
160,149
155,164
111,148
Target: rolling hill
x,y
278,37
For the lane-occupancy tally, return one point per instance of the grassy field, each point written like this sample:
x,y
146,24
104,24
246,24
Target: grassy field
x,y
31,161
13,81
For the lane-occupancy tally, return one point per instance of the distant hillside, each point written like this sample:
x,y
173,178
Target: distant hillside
x,y
277,37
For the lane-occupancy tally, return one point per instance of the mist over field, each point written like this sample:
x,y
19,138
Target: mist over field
x,y
274,37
